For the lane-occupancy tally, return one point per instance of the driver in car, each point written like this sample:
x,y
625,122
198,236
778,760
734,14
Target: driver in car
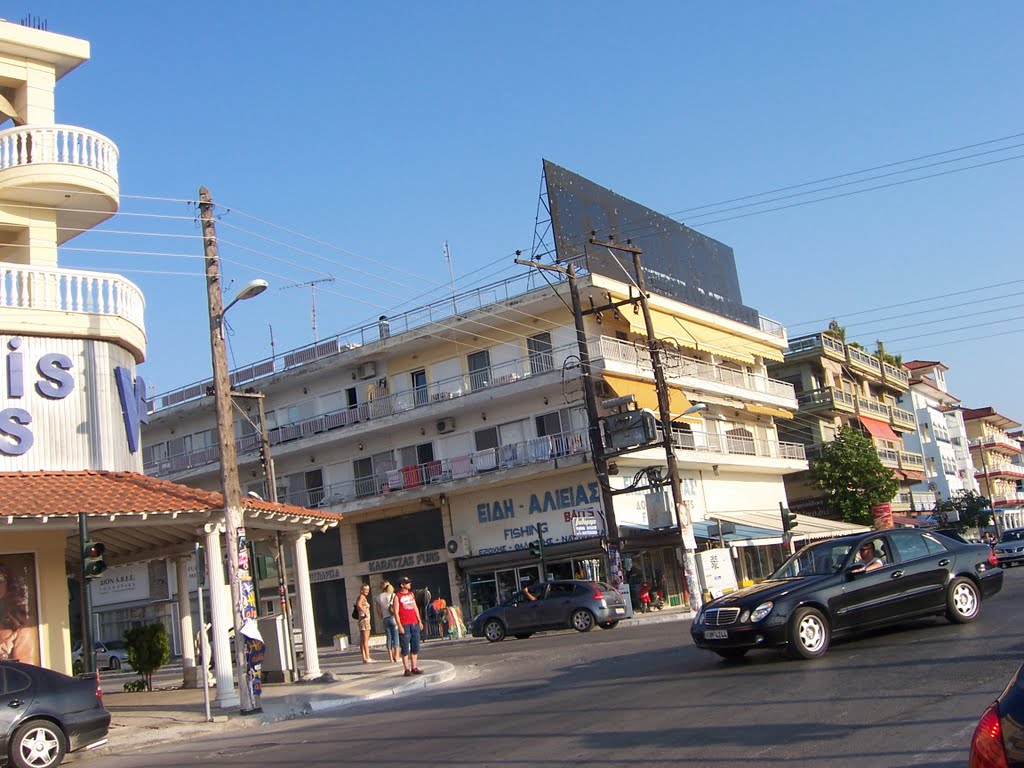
x,y
868,555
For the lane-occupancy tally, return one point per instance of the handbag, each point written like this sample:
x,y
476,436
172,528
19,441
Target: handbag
x,y
356,613
393,606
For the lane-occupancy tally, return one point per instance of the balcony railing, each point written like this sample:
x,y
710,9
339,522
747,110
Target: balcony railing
x,y
873,408
827,397
902,418
680,367
889,457
477,298
918,499
995,440
62,144
891,372
391,480
736,445
911,461
70,290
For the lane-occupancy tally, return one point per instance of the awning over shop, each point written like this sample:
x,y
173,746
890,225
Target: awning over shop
x,y
693,335
879,429
778,413
807,528
743,536
647,396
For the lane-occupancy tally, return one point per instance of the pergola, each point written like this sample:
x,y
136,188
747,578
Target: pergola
x,y
140,518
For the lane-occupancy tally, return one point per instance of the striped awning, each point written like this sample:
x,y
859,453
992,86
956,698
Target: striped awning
x,y
778,413
693,335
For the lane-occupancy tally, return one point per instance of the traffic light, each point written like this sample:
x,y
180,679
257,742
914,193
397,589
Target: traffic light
x,y
788,520
537,548
92,559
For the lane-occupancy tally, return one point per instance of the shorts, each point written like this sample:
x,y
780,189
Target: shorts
x,y
410,639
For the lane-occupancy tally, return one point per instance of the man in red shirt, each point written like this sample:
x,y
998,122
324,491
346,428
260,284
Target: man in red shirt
x,y
410,625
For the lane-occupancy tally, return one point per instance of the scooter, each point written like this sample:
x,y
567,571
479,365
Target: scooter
x,y
650,600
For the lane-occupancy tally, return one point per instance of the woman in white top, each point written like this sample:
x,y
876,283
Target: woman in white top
x,y
385,606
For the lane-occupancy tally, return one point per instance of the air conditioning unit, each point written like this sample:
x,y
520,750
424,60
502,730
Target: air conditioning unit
x,y
367,370
458,546
446,425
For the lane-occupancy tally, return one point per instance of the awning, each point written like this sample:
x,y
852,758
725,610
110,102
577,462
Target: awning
x,y
879,429
692,335
807,528
778,413
743,536
647,396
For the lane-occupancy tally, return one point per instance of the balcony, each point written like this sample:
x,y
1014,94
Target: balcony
x,y
902,420
1002,469
417,476
890,458
1008,499
897,376
716,446
826,399
911,462
816,345
47,165
918,500
48,298
694,374
998,441
873,409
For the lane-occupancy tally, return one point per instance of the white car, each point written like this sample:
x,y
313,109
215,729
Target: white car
x,y
112,655
1010,549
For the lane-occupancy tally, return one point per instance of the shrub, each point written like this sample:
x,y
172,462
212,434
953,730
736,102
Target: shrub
x,y
148,648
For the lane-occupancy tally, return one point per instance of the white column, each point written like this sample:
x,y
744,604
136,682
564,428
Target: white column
x,y
221,618
187,633
301,575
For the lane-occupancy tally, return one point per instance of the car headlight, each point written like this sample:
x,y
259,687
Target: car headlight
x,y
700,617
761,611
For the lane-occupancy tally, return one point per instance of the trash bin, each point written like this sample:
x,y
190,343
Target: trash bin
x,y
277,667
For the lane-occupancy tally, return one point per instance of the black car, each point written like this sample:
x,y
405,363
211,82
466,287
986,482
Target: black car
x,y
569,604
44,715
852,583
999,736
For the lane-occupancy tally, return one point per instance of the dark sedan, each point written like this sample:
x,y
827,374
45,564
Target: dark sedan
x,y
1010,549
44,715
575,605
848,584
999,737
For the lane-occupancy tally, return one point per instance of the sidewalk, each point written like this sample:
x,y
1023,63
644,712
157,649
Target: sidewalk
x,y
172,713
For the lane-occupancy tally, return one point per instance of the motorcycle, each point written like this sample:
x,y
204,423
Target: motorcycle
x,y
650,600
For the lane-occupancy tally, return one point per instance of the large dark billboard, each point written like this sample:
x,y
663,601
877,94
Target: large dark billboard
x,y
679,263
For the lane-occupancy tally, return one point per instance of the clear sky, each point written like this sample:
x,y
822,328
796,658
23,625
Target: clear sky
x,y
352,140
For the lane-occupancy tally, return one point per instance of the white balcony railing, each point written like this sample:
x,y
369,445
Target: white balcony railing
x,y
680,367
61,144
70,290
736,445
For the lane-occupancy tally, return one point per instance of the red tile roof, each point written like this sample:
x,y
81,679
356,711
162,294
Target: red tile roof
x,y
33,494
992,416
915,365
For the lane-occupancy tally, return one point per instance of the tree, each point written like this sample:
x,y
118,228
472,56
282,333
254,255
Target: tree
x,y
975,511
148,649
852,477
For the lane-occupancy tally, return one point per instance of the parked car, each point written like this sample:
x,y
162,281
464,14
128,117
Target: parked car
x,y
1010,549
110,655
45,715
825,590
999,736
575,605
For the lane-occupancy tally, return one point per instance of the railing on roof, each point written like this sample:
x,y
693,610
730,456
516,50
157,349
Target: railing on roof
x,y
468,301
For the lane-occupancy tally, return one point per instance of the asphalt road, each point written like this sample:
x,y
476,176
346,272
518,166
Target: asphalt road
x,y
646,696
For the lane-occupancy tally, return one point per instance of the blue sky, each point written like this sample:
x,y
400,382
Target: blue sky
x,y
384,130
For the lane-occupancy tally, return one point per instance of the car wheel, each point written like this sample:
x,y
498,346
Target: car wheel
x,y
523,635
582,620
494,631
38,744
114,662
808,634
963,601
610,625
731,654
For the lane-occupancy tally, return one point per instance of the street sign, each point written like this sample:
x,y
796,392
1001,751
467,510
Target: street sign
x,y
585,526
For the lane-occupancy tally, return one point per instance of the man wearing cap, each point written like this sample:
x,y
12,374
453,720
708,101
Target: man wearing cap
x,y
409,627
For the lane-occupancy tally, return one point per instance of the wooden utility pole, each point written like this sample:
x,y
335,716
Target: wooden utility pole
x,y
233,518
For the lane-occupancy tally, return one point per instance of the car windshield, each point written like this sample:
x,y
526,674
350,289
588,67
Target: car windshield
x,y
815,560
1012,536
115,645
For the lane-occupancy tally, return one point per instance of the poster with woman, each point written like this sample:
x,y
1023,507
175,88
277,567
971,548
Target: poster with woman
x,y
19,618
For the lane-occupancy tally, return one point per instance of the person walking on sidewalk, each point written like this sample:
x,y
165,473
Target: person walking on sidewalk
x,y
387,608
410,625
362,614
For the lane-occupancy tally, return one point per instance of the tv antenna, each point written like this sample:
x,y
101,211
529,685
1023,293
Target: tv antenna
x,y
311,284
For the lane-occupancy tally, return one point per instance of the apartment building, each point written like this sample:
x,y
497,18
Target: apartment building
x,y
839,384
996,455
448,444
940,437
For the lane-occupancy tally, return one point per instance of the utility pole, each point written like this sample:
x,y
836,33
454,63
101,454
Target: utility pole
x,y
665,416
312,290
233,517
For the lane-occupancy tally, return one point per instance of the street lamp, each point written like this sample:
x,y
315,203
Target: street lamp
x,y
238,568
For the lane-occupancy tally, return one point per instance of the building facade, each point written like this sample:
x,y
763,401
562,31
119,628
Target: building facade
x,y
996,458
839,384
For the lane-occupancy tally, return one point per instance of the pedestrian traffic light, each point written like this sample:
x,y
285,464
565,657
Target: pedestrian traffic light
x,y
537,548
788,520
92,559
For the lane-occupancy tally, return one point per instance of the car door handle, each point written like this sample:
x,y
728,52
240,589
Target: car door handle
x,y
944,561
14,703
897,574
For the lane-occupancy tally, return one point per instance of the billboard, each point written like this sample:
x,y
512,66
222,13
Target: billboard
x,y
679,263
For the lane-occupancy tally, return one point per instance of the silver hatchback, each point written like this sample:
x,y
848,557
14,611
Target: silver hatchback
x,y
575,605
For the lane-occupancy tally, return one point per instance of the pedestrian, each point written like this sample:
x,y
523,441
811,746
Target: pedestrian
x,y
410,625
387,608
361,612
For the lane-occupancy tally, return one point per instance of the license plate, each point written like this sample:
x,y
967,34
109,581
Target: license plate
x,y
716,634
620,610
